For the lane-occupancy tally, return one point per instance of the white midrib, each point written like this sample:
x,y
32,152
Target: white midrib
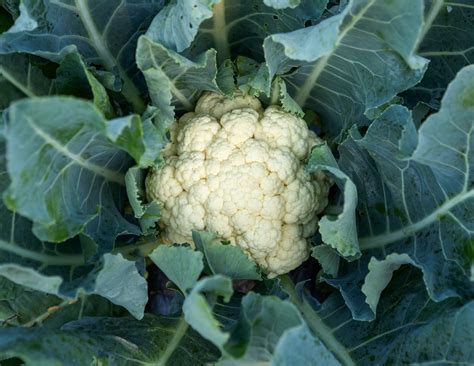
x,y
174,343
130,91
24,89
430,18
108,174
220,31
381,240
305,90
95,36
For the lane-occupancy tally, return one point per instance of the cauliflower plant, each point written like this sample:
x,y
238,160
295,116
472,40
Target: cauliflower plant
x,y
237,170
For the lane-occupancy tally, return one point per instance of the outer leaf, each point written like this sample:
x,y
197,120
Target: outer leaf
x,y
21,77
198,312
275,333
104,32
174,81
353,61
227,260
117,341
448,44
178,23
238,28
410,327
338,231
66,176
181,264
73,78
416,192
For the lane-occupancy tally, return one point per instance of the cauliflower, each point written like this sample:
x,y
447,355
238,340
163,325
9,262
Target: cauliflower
x,y
237,170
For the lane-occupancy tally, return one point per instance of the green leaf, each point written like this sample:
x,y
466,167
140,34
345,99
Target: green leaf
x,y
352,61
240,30
73,78
276,334
410,328
104,35
448,43
174,82
181,264
379,276
339,231
287,102
140,139
227,260
117,341
328,258
178,23
282,4
77,174
415,191
148,214
252,77
62,270
225,78
197,308
20,77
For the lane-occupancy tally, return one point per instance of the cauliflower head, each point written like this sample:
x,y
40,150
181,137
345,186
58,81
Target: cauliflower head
x,y
236,169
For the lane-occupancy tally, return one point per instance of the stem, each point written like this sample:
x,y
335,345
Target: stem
x,y
46,314
219,32
50,260
275,93
174,343
317,326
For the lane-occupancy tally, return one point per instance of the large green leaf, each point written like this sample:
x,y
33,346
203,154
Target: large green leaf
x,y
79,174
21,77
410,328
234,28
61,270
116,341
104,32
351,62
416,195
22,306
272,331
448,43
73,78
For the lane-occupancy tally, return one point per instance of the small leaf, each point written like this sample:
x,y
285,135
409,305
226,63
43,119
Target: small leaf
x,y
340,231
173,80
198,312
227,260
181,264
